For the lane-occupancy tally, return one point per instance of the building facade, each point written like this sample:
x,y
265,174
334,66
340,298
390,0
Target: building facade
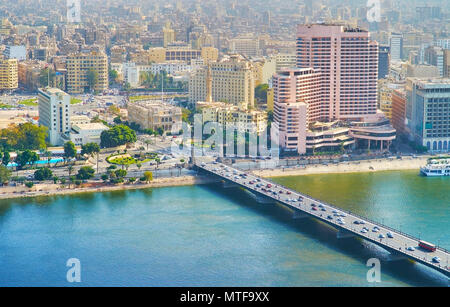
x,y
154,114
348,61
80,66
297,102
54,113
9,75
428,112
232,81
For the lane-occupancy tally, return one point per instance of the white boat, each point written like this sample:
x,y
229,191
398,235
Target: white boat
x,y
436,168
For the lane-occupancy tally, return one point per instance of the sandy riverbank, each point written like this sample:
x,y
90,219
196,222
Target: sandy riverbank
x,y
407,163
55,189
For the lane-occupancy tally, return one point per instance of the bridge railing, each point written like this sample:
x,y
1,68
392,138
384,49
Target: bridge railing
x,y
340,209
354,214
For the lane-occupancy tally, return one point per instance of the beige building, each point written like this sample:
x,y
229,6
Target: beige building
x,y
226,115
78,67
246,45
168,35
153,114
9,79
447,63
232,80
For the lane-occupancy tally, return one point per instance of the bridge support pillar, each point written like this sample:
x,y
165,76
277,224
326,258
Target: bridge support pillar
x,y
228,185
299,215
395,257
263,200
342,234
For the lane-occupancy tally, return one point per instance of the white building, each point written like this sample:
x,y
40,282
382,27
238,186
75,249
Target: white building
x,y
82,134
170,68
54,113
15,52
396,47
131,74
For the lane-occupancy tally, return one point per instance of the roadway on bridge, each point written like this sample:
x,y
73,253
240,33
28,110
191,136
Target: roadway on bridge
x,y
347,222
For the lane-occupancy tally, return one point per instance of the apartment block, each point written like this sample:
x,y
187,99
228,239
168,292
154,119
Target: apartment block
x,y
80,65
9,78
232,81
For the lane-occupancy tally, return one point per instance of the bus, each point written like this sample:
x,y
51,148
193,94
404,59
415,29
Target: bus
x,y
428,246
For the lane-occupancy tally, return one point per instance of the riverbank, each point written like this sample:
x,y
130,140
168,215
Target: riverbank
x,y
407,163
56,189
376,165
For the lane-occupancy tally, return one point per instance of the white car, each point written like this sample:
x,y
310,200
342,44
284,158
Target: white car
x,y
436,259
390,235
411,248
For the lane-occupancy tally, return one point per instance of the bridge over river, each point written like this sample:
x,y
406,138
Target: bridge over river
x,y
399,244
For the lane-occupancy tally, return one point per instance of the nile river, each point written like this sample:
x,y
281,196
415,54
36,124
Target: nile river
x,y
208,236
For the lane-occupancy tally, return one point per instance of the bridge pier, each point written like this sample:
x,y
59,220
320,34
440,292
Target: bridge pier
x,y
395,257
262,200
228,185
343,234
299,215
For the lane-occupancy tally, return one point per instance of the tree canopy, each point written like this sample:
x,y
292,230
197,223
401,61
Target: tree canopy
x,y
24,136
90,149
69,150
85,173
5,174
43,174
26,157
117,136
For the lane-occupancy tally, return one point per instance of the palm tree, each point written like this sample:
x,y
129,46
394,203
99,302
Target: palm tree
x,y
148,142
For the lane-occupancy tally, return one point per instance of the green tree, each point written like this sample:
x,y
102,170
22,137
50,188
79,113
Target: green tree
x,y
6,158
261,93
92,78
43,174
90,149
26,157
113,75
5,174
69,150
44,75
117,136
120,173
85,173
148,176
24,136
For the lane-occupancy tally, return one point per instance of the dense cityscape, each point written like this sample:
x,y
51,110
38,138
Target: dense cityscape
x,y
263,98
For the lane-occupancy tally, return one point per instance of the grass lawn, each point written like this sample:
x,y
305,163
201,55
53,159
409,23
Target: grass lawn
x,y
32,102
5,106
75,100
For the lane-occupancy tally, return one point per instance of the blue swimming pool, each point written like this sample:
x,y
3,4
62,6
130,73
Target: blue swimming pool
x,y
40,162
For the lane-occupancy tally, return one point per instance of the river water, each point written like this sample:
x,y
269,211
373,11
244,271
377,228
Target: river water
x,y
210,236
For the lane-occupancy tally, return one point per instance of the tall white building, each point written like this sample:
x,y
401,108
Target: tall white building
x,y
54,113
396,47
131,74
15,52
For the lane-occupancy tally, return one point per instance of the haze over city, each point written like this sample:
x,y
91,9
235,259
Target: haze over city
x,y
224,143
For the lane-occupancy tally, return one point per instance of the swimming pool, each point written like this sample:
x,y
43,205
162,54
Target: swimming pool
x,y
40,162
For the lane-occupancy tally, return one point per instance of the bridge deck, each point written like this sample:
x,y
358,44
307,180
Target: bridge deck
x,y
339,218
